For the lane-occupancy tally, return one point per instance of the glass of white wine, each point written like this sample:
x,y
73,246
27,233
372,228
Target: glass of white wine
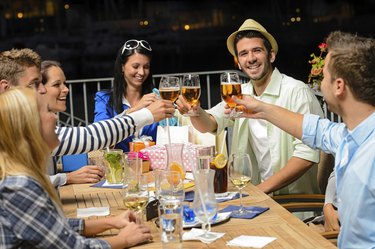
x,y
191,90
240,170
231,86
136,195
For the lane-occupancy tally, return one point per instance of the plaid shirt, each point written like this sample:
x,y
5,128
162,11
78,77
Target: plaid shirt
x,y
29,219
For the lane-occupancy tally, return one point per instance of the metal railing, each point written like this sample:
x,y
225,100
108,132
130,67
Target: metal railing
x,y
80,107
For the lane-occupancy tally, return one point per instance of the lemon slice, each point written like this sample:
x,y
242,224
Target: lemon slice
x,y
220,161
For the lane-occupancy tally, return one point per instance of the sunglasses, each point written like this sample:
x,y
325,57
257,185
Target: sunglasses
x,y
133,44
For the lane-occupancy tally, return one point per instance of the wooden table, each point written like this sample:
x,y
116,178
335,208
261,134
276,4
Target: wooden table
x,y
276,222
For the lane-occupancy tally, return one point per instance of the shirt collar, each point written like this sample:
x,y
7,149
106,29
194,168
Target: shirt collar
x,y
364,129
273,87
125,101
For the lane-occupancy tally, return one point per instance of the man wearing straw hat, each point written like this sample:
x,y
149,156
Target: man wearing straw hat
x,y
281,164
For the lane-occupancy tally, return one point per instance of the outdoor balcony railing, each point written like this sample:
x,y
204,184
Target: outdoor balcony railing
x,y
81,102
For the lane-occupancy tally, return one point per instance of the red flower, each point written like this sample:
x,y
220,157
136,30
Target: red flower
x,y
323,47
317,64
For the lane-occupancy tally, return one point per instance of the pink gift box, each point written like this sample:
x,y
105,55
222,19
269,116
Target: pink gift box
x,y
158,156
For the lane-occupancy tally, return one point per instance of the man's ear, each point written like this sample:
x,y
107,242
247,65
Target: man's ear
x,y
4,85
239,66
340,87
272,56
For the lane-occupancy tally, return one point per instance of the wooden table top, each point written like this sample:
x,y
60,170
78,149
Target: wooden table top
x,y
276,222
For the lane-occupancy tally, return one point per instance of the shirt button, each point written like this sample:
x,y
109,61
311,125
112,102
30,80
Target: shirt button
x,y
65,232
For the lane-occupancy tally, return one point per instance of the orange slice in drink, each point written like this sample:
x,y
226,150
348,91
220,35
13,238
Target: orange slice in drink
x,y
175,166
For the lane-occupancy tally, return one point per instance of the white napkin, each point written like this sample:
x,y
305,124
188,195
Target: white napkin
x,y
225,196
107,184
251,241
189,176
196,234
92,211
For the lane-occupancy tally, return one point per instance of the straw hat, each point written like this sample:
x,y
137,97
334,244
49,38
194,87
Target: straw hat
x,y
251,24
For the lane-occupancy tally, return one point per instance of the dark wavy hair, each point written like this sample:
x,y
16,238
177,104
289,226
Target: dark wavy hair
x,y
119,84
44,69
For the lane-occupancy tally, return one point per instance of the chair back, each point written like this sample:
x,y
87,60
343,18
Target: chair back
x,y
73,162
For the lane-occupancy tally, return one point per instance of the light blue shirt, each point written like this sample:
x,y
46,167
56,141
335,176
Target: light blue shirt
x,y
355,175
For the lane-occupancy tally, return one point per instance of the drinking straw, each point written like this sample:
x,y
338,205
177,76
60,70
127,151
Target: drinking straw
x,y
168,132
156,91
223,142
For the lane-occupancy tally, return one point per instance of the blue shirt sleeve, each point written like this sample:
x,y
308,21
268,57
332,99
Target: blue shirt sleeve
x,y
322,134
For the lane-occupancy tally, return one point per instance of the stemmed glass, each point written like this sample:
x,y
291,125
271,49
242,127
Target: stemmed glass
x,y
240,170
191,90
205,204
231,86
169,89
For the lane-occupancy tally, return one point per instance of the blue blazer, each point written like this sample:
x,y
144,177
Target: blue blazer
x,y
103,111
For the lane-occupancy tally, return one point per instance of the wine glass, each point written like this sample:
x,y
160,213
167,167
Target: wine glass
x,y
231,86
169,89
205,204
191,90
240,170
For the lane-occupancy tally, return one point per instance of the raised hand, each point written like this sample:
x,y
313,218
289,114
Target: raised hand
x,y
146,100
161,109
183,106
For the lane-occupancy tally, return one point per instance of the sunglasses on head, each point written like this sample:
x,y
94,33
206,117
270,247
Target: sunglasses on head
x,y
133,44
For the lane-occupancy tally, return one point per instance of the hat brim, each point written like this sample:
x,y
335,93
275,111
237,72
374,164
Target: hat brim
x,y
268,36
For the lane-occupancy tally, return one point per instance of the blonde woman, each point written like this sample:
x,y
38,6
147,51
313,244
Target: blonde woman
x,y
30,210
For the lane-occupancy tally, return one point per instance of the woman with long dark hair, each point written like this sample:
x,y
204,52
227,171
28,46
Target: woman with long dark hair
x,y
130,90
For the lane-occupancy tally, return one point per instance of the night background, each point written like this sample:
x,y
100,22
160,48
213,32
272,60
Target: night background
x,y
84,35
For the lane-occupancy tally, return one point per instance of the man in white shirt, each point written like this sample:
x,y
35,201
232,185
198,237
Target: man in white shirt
x,y
281,164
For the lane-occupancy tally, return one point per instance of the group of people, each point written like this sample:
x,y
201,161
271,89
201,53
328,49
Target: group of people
x,y
282,129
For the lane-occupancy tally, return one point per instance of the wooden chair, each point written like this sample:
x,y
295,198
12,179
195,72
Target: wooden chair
x,y
312,202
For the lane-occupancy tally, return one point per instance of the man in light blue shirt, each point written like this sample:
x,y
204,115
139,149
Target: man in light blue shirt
x,y
349,89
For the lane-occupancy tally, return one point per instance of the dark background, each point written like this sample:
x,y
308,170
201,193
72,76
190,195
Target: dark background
x,y
85,35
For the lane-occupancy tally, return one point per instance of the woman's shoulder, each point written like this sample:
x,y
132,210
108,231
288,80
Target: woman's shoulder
x,y
17,183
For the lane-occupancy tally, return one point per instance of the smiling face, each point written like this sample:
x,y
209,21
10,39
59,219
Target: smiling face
x,y
136,70
56,89
254,59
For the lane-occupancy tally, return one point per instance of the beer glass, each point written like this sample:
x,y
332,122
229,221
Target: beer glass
x,y
231,86
191,90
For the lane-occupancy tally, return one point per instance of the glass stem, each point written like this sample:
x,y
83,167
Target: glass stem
x,y
241,205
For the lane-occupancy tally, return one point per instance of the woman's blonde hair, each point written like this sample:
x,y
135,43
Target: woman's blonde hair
x,y
23,150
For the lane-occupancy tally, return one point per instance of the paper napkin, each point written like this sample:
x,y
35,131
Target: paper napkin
x,y
251,241
92,211
253,211
198,234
